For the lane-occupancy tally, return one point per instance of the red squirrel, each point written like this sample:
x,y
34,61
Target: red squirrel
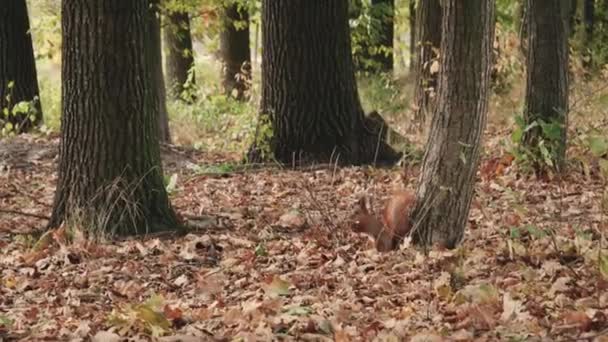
x,y
393,225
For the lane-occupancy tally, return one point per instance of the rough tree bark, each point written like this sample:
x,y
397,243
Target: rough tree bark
x,y
158,77
17,67
547,77
412,21
569,9
110,174
428,39
450,161
179,57
384,57
309,91
601,32
589,25
235,50
569,18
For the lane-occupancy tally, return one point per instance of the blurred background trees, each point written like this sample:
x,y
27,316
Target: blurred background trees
x,y
233,81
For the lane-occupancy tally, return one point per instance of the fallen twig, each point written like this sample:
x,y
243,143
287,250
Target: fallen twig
x,y
22,213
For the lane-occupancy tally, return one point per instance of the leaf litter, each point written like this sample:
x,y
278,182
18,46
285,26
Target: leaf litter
x,y
279,262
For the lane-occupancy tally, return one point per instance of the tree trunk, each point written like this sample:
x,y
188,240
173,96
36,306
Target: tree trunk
x,y
588,23
568,13
428,39
569,16
547,80
179,58
110,174
412,35
450,161
18,80
384,56
158,78
235,50
601,31
309,91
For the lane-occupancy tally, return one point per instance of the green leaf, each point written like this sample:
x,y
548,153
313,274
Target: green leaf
x,y
598,145
517,135
156,321
219,169
536,232
603,163
604,266
22,107
546,154
552,131
155,301
514,233
519,121
6,321
260,250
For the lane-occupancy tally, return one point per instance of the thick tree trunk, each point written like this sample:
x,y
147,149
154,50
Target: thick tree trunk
x,y
450,162
589,24
158,77
179,57
569,16
428,40
547,78
309,90
412,21
18,80
110,174
235,51
384,57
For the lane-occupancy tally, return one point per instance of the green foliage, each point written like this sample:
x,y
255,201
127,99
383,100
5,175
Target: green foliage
x,y
261,250
591,147
598,49
223,168
25,109
263,137
603,266
366,23
508,14
149,316
543,150
45,26
189,88
188,6
223,122
598,145
50,99
6,322
206,17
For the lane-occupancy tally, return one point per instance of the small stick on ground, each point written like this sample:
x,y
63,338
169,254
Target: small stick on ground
x,y
22,213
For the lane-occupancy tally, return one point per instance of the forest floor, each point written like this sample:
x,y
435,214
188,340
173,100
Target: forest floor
x,y
278,261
